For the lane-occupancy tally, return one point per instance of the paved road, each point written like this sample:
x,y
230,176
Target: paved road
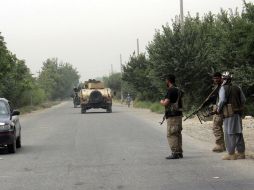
x,y
65,150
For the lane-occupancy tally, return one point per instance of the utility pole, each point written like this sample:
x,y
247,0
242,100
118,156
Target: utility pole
x,y
181,12
121,67
121,64
138,47
112,69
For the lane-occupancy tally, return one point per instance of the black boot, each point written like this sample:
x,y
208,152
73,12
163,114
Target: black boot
x,y
180,155
172,156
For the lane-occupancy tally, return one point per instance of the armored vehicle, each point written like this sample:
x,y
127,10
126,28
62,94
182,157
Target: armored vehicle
x,y
95,95
75,96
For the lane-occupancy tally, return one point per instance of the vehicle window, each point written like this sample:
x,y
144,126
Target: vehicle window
x,y
3,108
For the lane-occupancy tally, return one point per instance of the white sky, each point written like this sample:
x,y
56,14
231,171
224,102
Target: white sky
x,y
89,34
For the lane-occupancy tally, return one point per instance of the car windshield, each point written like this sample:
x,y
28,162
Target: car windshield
x,y
3,108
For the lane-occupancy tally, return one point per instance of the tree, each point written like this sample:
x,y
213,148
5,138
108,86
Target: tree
x,y
58,80
114,82
193,52
136,75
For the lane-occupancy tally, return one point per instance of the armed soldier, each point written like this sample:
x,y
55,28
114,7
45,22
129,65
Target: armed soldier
x,y
231,102
204,111
218,118
173,114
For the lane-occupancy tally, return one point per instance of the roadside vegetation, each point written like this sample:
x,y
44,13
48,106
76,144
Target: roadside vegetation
x,y
17,84
193,51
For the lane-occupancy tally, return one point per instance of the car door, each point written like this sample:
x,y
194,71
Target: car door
x,y
14,119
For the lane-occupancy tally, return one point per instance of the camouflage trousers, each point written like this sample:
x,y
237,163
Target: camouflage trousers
x,y
174,134
218,130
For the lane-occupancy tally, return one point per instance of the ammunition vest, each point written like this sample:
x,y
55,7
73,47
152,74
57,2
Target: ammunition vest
x,y
175,107
233,97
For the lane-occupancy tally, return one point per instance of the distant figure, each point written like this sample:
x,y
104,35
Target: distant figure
x,y
75,96
128,100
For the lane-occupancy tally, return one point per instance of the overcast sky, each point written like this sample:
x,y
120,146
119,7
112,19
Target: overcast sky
x,y
90,34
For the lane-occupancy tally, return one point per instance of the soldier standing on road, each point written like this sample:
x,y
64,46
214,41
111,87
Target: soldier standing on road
x,y
231,102
128,100
218,118
173,113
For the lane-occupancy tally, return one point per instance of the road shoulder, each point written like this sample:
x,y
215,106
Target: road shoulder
x,y
201,132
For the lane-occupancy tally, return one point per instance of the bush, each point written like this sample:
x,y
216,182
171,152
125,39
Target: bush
x,y
249,107
154,107
142,104
32,97
39,96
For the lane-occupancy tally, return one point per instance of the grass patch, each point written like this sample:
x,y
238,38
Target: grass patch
x,y
153,106
157,107
29,109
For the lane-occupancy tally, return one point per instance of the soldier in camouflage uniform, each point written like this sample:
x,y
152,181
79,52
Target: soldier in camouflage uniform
x,y
218,119
173,114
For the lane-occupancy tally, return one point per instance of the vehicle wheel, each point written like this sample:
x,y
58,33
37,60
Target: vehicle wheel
x,y
83,110
12,147
109,109
18,142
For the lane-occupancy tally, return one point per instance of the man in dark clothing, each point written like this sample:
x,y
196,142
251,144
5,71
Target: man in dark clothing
x,y
173,113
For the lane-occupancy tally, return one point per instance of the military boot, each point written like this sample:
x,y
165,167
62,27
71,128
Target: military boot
x,y
173,156
240,155
219,148
229,157
180,155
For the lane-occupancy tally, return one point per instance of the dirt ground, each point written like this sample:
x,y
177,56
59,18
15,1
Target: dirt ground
x,y
192,127
203,132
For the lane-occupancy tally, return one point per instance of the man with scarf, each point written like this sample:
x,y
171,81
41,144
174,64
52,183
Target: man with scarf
x,y
231,102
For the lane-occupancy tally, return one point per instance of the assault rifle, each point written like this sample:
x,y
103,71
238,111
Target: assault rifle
x,y
163,119
180,94
203,105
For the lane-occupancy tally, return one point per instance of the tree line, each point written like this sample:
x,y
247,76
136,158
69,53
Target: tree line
x,y
193,51
18,85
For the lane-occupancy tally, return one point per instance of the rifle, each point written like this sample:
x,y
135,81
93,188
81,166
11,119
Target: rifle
x,y
196,112
180,94
163,119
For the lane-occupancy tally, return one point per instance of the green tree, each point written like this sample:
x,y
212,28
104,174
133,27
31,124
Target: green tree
x,y
193,52
58,80
136,75
114,82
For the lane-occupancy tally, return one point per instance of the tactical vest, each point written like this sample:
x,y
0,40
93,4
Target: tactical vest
x,y
175,108
233,97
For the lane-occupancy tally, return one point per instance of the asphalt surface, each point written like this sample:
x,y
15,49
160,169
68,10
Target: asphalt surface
x,y
64,150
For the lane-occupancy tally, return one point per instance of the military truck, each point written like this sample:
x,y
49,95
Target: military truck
x,y
95,95
75,96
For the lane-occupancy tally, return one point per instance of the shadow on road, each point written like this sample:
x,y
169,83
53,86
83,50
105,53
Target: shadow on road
x,y
94,112
4,150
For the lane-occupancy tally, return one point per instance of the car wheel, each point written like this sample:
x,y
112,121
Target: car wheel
x,y
83,110
109,109
12,147
18,142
